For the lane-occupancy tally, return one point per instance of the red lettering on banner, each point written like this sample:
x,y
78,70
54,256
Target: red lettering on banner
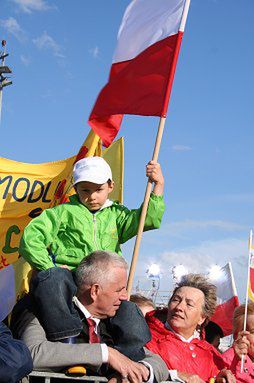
x,y
3,262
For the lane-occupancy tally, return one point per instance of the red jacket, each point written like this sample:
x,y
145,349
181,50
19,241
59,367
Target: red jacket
x,y
197,357
247,376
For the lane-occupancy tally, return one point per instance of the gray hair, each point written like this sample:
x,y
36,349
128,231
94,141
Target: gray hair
x,y
97,268
200,282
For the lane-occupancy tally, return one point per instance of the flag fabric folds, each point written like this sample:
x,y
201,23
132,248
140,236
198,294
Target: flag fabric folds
x,y
143,67
251,274
227,299
28,189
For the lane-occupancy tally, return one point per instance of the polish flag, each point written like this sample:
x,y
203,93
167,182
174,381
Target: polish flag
x,y
251,273
227,299
144,64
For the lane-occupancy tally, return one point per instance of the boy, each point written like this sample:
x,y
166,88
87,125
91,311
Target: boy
x,y
63,235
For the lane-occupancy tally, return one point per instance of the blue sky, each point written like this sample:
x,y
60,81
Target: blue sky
x,y
60,54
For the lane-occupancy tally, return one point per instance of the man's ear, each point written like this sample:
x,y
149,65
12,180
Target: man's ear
x,y
94,291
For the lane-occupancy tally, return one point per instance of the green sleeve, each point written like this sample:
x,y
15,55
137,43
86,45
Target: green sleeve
x,y
128,220
37,237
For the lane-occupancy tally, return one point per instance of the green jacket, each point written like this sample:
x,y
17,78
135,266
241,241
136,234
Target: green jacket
x,y
65,234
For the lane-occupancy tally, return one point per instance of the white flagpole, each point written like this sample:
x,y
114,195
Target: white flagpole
x,y
232,279
1,88
247,292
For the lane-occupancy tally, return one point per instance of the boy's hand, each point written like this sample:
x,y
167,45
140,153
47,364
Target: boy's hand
x,y
154,173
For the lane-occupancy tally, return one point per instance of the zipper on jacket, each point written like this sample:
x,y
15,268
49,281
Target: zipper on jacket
x,y
95,232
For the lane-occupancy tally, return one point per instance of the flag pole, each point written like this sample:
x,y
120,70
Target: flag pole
x,y
157,146
246,297
232,279
144,208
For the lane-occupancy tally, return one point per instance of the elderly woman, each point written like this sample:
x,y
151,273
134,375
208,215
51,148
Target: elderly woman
x,y
243,345
179,341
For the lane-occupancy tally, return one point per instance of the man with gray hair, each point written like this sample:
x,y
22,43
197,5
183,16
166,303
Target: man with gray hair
x,y
110,326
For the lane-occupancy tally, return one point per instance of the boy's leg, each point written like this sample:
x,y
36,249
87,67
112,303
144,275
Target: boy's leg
x,y
53,290
130,331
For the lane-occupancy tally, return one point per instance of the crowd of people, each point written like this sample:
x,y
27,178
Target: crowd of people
x,y
77,316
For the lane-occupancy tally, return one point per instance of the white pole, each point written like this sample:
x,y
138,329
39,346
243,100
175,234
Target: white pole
x,y
232,279
184,15
247,293
1,101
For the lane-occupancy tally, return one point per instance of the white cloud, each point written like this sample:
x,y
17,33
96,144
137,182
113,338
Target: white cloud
x,y
12,26
177,228
46,42
29,6
237,198
181,148
25,60
199,258
94,52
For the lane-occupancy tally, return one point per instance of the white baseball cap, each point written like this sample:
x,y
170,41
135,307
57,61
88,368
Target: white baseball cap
x,y
92,169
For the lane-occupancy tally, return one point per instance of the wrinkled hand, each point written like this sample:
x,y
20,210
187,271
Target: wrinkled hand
x,y
128,370
241,344
154,173
190,378
225,376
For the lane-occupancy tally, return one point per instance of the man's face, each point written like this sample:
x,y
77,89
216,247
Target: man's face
x,y
185,310
109,296
93,196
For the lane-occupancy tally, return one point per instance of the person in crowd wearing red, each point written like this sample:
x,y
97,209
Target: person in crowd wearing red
x,y
180,341
145,304
243,345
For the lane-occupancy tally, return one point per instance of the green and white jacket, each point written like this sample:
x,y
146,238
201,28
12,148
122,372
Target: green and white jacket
x,y
65,234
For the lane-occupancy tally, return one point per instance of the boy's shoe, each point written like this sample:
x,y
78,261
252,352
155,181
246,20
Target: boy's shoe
x,y
76,370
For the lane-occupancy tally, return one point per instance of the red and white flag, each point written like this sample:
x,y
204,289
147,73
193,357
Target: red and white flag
x,y
227,299
251,270
143,66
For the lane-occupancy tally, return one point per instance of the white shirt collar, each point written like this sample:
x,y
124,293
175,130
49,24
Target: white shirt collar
x,y
194,336
107,203
84,311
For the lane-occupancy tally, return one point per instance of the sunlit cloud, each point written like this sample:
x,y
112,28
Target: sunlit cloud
x,y
199,258
29,6
237,198
179,227
25,60
46,42
12,27
181,148
94,52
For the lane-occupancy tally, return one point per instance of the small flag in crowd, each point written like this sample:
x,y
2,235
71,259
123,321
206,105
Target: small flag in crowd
x,y
143,66
251,272
227,299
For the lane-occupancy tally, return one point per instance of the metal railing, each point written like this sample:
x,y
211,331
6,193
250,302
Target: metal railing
x,y
51,377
